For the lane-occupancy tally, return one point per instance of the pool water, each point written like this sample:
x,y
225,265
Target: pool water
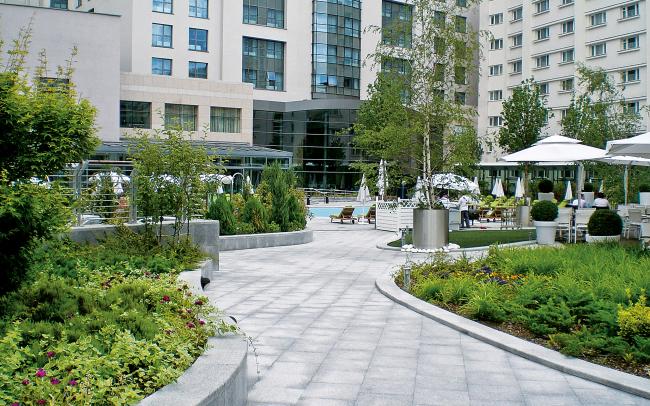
x,y
327,211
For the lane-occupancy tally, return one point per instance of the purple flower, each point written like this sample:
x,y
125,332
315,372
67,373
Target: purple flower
x,y
201,322
41,402
25,382
166,299
51,354
73,382
15,404
190,324
41,373
54,381
199,302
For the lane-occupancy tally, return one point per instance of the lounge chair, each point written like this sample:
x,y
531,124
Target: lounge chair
x,y
345,214
371,215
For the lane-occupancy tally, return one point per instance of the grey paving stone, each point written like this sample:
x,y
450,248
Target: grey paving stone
x,y
441,397
495,393
324,402
370,399
552,400
339,376
388,386
343,391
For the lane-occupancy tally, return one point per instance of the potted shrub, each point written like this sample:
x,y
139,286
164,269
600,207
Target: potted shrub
x,y
644,195
545,190
604,225
588,193
544,214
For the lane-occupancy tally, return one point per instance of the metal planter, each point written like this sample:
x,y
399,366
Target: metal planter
x,y
430,228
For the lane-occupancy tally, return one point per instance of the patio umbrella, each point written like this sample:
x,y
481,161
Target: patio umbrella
x,y
381,180
117,179
569,193
638,146
627,161
519,189
556,148
249,183
452,181
363,194
497,189
602,187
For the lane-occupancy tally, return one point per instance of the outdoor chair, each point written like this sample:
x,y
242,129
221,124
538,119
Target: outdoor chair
x,y
633,221
582,219
346,214
371,215
564,217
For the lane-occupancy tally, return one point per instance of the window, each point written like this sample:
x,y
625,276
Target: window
x,y
632,108
264,12
517,14
180,116
460,75
161,35
459,97
198,40
598,49
263,63
630,75
517,66
568,55
351,57
396,24
199,8
163,6
495,95
542,61
198,70
461,23
517,40
543,88
629,11
598,18
135,114
568,27
62,4
542,33
496,19
225,120
496,70
630,43
496,121
567,85
386,9
496,44
160,66
566,2
461,3
541,6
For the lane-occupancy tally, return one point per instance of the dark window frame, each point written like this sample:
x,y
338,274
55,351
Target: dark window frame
x,y
130,110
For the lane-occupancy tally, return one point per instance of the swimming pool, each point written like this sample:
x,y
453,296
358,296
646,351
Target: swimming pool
x,y
330,210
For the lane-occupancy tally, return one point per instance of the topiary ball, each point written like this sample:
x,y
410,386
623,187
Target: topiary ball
x,y
644,188
544,211
545,186
604,223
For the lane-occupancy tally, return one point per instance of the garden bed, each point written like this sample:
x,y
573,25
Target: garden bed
x,y
585,301
107,323
480,238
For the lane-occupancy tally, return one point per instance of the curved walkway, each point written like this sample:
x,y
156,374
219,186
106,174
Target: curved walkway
x,y
325,336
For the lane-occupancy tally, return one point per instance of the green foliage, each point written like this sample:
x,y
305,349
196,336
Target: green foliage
x,y
584,300
634,320
284,203
524,115
221,209
544,211
545,186
28,214
255,214
644,188
43,126
588,187
605,222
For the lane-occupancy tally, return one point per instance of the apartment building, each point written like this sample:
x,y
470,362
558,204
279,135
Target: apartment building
x,y
545,39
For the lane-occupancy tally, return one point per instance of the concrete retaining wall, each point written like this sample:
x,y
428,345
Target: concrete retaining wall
x,y
204,233
242,242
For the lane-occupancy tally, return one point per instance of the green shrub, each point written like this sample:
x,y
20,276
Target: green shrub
x,y
284,203
588,187
544,211
635,319
605,222
551,317
545,186
644,188
255,214
485,303
221,209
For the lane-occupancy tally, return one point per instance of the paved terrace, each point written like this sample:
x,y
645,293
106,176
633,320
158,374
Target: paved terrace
x,y
325,336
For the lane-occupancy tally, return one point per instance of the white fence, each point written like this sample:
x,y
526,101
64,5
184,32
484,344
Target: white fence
x,y
394,215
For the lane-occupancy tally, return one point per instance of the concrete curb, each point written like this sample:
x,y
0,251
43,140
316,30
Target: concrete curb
x,y
385,246
609,377
249,241
218,377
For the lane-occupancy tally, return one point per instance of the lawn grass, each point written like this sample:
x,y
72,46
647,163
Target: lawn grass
x,y
585,300
480,238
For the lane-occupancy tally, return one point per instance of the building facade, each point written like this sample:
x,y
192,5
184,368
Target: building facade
x,y
545,40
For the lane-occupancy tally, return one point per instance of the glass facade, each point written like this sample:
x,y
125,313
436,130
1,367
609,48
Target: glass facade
x,y
263,63
322,148
396,20
264,12
336,48
135,114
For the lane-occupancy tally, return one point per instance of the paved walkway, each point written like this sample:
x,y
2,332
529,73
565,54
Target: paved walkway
x,y
326,336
